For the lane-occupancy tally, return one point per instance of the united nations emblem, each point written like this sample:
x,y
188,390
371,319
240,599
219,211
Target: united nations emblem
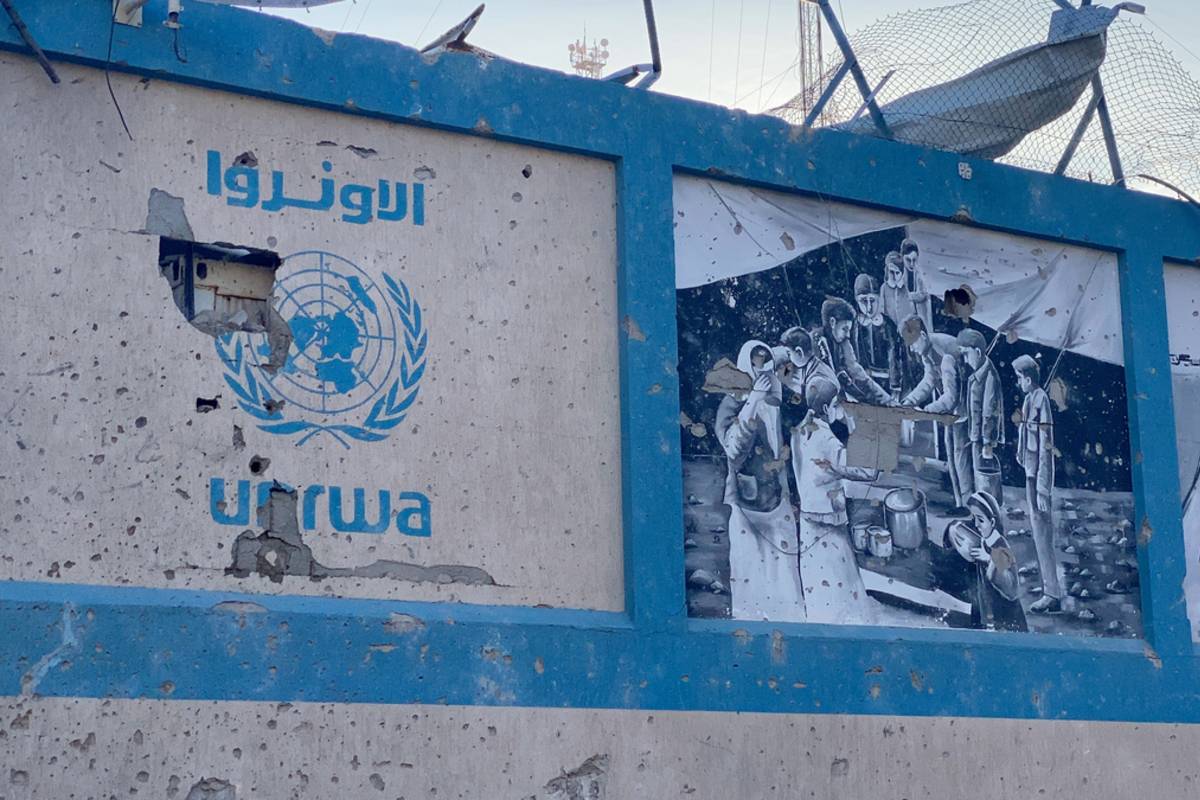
x,y
356,358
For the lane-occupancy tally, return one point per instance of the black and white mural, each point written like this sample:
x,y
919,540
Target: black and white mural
x,y
1183,324
896,421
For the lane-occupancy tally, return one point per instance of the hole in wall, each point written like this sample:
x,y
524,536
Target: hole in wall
x,y
259,464
206,404
221,288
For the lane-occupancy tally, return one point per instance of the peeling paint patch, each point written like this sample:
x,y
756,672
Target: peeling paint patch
x,y
633,330
587,781
279,551
325,36
165,216
403,623
239,607
68,644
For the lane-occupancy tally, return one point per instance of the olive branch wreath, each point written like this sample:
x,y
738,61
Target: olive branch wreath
x,y
386,413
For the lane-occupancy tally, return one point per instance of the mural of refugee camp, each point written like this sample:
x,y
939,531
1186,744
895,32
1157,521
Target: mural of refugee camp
x,y
1183,325
889,420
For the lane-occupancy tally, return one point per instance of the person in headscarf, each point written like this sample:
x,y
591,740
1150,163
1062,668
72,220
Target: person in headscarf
x,y
876,338
977,565
764,574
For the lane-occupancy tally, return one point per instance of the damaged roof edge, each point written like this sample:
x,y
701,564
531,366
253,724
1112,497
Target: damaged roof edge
x,y
258,54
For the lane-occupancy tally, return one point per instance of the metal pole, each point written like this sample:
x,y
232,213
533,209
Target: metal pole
x,y
855,69
23,30
1110,137
1077,137
830,88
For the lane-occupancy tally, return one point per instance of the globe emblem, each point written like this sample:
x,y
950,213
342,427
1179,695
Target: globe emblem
x,y
343,334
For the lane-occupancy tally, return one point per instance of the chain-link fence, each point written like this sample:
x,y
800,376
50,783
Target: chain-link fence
x,y
1153,101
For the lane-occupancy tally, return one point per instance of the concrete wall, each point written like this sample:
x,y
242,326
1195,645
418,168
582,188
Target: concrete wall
x,y
78,748
135,663
514,428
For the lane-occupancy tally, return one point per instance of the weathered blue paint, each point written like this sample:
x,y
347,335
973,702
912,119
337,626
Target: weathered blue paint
x,y
128,642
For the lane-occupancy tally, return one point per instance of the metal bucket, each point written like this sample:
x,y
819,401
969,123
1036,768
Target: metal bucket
x,y
880,541
860,536
904,514
987,478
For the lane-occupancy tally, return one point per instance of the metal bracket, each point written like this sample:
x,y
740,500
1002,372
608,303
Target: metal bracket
x,y
128,12
849,64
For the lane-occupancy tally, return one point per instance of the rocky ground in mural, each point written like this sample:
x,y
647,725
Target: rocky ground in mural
x,y
1094,540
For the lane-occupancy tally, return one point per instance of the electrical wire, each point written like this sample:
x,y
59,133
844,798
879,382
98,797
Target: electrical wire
x,y
763,69
112,27
366,9
737,72
712,33
432,14
349,11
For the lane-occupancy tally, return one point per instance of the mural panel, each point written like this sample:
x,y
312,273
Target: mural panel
x,y
1183,322
896,421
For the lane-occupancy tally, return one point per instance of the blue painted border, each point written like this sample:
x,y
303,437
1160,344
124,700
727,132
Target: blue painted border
x,y
64,639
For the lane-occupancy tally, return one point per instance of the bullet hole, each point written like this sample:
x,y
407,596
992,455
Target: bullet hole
x,y
362,152
140,422
274,405
959,302
221,288
527,171
517,197
212,789
246,159
424,173
204,404
239,438
259,464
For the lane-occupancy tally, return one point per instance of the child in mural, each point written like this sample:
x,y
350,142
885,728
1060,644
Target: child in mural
x,y
797,365
833,586
894,299
836,347
1035,454
915,282
988,581
943,389
985,410
876,338
763,572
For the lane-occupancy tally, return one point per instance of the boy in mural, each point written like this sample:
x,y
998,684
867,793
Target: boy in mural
x,y
988,579
894,299
876,338
985,401
943,390
797,364
764,574
837,348
1035,454
915,282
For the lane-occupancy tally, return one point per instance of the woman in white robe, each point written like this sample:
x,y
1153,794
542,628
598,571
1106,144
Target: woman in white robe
x,y
763,546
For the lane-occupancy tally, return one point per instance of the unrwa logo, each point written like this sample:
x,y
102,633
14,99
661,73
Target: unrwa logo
x,y
356,358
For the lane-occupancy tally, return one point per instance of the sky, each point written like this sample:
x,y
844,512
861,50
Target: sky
x,y
737,53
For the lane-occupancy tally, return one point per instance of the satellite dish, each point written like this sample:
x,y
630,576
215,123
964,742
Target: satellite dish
x,y
272,3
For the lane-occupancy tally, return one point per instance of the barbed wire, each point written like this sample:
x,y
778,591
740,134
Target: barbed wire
x,y
1153,100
